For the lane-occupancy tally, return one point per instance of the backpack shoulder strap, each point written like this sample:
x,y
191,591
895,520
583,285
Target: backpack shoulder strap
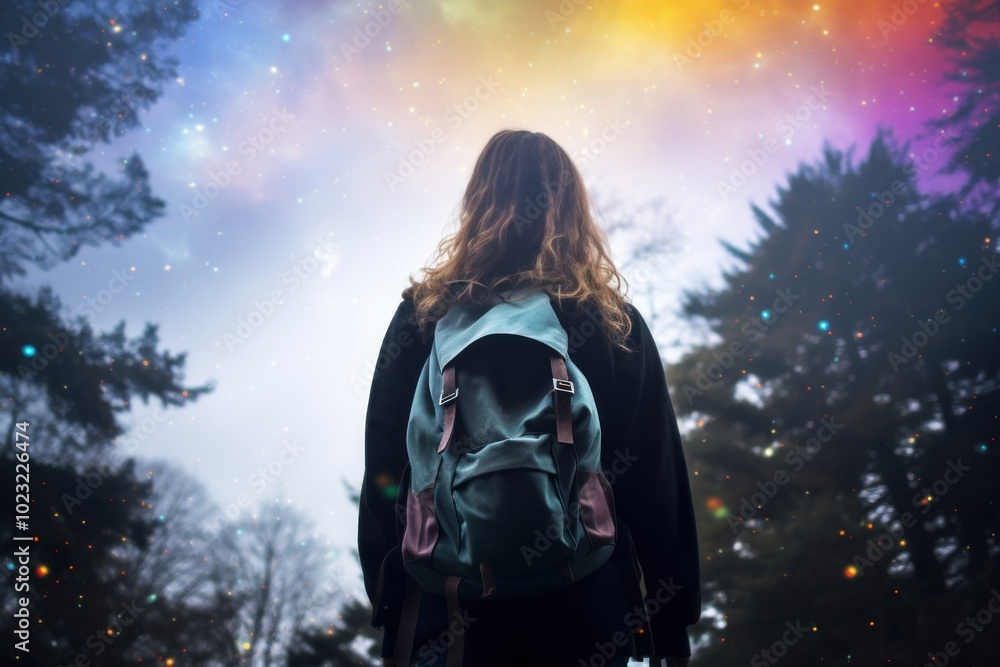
x,y
562,390
449,392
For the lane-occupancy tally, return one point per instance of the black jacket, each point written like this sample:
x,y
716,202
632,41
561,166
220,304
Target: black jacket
x,y
641,455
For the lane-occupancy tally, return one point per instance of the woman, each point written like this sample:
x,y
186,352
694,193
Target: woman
x,y
526,219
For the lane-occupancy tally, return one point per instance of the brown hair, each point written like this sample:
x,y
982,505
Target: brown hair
x,y
526,216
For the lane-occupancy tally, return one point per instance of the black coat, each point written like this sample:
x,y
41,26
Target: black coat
x,y
641,455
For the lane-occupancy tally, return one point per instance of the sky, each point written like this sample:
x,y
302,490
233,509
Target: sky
x,y
312,154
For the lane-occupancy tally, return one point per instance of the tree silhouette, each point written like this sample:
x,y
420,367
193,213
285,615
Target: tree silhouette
x,y
843,384
87,506
75,76
188,571
89,378
970,36
78,600
336,645
284,577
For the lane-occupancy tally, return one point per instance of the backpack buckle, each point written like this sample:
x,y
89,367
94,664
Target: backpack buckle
x,y
562,385
450,397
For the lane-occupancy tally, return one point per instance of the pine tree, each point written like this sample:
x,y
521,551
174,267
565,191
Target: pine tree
x,y
87,507
850,372
336,645
75,76
969,39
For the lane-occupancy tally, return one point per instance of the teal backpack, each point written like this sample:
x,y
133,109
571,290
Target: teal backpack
x,y
505,496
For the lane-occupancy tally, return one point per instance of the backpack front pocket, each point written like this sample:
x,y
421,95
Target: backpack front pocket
x,y
511,507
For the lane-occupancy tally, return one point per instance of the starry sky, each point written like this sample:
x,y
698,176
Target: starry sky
x,y
312,154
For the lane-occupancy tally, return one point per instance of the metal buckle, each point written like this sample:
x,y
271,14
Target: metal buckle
x,y
562,385
450,397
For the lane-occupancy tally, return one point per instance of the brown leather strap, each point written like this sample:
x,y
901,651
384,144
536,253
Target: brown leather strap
x,y
407,623
449,399
561,393
457,649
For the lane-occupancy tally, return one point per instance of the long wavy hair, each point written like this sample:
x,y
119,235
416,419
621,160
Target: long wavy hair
x,y
525,217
